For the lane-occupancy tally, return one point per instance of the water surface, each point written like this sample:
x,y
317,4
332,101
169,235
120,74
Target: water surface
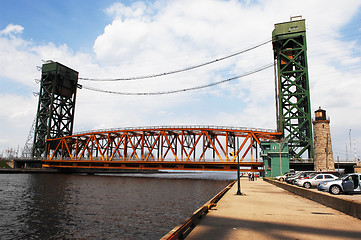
x,y
55,206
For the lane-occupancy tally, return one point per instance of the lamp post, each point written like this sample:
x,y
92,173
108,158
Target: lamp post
x,y
238,178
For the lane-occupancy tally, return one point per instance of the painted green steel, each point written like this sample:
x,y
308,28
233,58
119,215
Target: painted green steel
x,y
275,158
293,90
56,106
285,30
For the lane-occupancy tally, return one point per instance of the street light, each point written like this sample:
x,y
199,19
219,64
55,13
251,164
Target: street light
x,y
238,178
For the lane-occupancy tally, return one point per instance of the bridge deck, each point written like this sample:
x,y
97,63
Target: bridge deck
x,y
269,212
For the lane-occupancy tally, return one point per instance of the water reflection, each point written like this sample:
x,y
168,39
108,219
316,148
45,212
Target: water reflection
x,y
100,207
44,203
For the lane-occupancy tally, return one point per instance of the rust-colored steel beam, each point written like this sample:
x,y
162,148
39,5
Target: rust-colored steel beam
x,y
191,148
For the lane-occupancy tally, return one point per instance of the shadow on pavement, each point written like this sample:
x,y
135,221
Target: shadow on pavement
x,y
219,228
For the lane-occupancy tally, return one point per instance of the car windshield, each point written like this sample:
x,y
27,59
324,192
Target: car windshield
x,y
297,174
344,177
305,174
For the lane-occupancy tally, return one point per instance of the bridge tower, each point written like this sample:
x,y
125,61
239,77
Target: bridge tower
x,y
55,115
292,87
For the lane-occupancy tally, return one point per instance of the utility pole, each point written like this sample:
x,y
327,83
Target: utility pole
x,y
349,135
280,146
354,145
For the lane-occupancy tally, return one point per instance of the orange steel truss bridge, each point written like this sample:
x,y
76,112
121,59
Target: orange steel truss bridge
x,y
177,147
183,147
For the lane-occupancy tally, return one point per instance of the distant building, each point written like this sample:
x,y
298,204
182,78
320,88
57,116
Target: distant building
x,y
323,155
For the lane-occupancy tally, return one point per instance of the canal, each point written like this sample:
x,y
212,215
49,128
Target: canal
x,y
142,206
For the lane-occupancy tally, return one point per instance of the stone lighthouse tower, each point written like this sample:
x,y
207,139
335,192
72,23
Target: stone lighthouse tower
x,y
323,155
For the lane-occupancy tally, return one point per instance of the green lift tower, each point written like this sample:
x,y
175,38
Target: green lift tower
x,y
292,87
55,115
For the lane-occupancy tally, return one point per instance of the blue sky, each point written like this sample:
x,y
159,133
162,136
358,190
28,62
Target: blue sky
x,y
113,39
76,23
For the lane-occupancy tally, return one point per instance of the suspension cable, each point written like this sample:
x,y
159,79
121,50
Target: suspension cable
x,y
176,71
180,90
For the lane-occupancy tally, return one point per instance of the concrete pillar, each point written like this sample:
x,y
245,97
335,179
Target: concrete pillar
x,y
323,155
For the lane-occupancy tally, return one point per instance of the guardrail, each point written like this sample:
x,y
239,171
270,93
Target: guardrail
x,y
181,231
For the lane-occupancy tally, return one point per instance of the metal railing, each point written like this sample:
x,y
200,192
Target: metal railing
x,y
178,127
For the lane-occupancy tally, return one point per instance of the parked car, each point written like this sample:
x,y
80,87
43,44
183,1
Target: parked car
x,y
348,183
301,174
315,180
304,176
312,174
284,176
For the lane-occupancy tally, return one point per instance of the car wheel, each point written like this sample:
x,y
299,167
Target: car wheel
x,y
335,189
307,185
281,179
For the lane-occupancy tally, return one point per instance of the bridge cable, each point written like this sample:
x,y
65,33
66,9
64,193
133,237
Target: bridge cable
x,y
176,71
180,90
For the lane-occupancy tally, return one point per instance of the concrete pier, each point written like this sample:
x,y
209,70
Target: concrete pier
x,y
266,211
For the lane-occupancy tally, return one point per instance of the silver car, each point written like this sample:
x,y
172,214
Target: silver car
x,y
292,179
315,180
349,183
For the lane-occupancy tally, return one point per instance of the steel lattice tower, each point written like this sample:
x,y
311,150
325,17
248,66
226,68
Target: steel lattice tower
x,y
292,87
55,115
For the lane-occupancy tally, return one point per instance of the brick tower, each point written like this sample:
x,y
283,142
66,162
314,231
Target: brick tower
x,y
323,155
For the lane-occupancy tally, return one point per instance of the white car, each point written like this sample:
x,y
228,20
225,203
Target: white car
x,y
315,180
283,177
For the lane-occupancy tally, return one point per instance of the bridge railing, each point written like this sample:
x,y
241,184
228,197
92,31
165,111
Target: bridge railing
x,y
179,127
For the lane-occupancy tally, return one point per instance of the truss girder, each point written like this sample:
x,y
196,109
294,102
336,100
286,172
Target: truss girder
x,y
293,91
56,106
163,145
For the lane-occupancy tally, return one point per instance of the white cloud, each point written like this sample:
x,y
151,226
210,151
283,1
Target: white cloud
x,y
120,11
12,29
145,38
16,117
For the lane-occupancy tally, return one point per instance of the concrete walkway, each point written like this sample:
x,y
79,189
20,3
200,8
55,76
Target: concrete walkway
x,y
269,212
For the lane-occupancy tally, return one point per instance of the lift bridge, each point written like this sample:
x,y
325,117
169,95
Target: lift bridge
x,y
177,147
